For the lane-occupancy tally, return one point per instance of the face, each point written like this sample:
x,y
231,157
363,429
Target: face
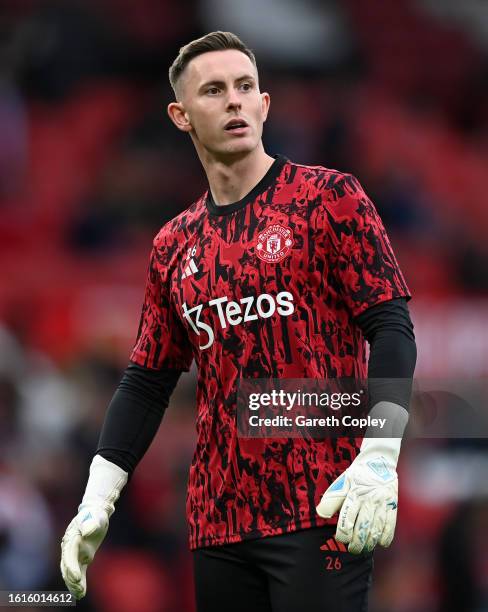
x,y
220,105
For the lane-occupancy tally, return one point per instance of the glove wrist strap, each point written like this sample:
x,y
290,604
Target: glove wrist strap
x,y
386,441
104,485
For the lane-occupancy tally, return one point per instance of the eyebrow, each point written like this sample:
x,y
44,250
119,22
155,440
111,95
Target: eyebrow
x,y
246,77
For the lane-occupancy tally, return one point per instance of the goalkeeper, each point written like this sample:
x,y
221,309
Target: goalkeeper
x,y
279,270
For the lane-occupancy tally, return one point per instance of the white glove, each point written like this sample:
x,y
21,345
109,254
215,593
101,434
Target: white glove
x,y
367,492
87,530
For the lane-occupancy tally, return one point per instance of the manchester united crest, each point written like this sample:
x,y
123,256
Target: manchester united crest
x,y
274,243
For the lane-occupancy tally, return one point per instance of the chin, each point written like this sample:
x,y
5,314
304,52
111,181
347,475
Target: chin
x,y
240,147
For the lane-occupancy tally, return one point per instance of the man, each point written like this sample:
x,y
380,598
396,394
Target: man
x,y
279,270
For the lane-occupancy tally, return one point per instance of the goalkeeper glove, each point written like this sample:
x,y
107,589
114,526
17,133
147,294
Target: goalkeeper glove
x,y
367,496
87,530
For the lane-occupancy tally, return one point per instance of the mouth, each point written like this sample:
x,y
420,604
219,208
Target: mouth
x,y
236,126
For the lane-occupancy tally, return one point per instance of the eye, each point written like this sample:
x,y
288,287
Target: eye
x,y
212,91
246,86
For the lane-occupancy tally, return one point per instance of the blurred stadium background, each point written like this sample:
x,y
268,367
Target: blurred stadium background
x,y
90,168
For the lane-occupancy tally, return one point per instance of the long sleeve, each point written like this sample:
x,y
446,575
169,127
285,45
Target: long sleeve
x,y
393,352
135,413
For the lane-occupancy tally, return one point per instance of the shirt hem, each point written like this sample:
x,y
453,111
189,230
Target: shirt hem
x,y
210,541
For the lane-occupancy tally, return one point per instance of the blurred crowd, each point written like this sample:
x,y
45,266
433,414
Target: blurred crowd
x,y
90,169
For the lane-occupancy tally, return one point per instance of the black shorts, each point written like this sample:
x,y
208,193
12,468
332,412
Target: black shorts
x,y
306,571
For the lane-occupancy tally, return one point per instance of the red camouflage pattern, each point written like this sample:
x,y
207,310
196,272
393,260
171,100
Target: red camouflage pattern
x,y
340,264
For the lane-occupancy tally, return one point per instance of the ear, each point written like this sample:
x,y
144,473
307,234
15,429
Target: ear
x,y
265,102
179,116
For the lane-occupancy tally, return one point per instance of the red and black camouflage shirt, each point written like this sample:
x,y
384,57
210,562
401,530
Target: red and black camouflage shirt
x,y
267,287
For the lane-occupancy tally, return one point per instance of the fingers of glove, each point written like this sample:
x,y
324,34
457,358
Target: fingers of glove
x,y
362,527
73,573
334,497
62,563
79,589
377,527
347,518
71,556
63,571
390,524
76,587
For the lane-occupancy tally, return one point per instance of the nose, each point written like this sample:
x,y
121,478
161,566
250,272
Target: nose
x,y
233,99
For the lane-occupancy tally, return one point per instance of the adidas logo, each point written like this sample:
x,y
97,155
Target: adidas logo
x,y
190,269
191,266
333,544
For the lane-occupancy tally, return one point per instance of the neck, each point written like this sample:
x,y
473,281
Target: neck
x,y
231,179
